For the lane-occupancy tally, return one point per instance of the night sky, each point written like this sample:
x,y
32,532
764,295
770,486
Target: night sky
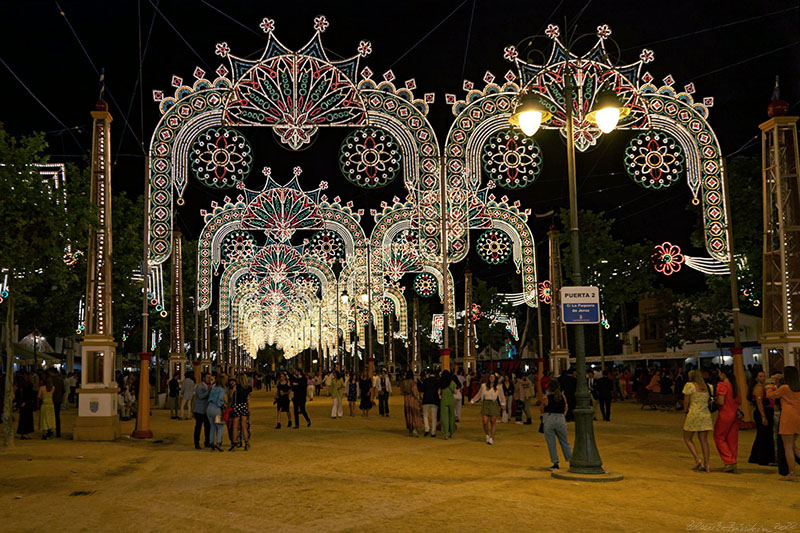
x,y
730,50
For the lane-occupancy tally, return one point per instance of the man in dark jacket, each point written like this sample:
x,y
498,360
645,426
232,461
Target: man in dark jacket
x,y
172,397
603,388
299,383
569,384
58,397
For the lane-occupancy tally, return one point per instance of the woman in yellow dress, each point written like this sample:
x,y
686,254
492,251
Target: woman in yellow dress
x,y
47,412
698,417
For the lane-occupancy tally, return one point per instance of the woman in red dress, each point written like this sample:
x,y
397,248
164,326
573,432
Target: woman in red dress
x,y
726,429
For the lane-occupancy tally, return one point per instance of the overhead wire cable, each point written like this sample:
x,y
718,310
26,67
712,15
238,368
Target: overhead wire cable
x,y
746,60
96,70
203,61
30,92
712,28
459,6
466,46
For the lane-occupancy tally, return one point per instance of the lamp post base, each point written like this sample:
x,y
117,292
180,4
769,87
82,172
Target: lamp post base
x,y
591,478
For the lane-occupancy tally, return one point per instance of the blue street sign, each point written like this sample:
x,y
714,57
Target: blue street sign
x,y
580,305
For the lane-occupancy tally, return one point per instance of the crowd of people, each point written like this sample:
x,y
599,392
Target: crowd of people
x,y
433,402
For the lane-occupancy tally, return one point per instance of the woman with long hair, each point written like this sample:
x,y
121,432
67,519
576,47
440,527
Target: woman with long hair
x,y
365,391
281,400
493,400
789,427
698,418
47,411
352,393
216,401
447,403
763,451
241,413
554,422
726,429
411,404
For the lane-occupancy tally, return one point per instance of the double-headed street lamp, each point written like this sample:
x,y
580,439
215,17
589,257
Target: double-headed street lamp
x,y
529,114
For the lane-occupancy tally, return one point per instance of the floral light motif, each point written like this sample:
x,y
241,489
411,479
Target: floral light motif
x,y
321,23
510,53
425,284
370,157
364,48
654,160
238,245
388,307
327,245
475,312
545,292
552,31
277,262
267,25
511,159
222,157
222,49
667,258
494,246
71,258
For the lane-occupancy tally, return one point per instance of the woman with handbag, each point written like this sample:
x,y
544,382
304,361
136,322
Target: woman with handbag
x,y
698,417
216,401
554,423
726,429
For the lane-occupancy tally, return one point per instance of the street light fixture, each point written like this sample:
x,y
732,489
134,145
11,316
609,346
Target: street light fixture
x,y
345,297
607,111
529,114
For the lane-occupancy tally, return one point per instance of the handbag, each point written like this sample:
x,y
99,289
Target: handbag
x,y
226,414
218,418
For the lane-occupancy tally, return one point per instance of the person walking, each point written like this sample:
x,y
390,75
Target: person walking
x,y
365,392
352,393
282,391
696,394
335,389
508,392
58,398
458,394
523,391
299,384
411,404
789,426
241,413
430,403
493,400
763,451
604,389
383,387
216,401
726,429
47,413
172,397
199,411
26,403
447,388
187,393
554,423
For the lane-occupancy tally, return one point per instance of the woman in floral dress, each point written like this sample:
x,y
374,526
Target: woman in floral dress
x,y
698,417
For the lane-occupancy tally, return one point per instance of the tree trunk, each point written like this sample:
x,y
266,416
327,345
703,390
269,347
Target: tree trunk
x,y
8,429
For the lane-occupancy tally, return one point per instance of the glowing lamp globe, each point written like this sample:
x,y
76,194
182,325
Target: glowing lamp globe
x,y
529,114
607,112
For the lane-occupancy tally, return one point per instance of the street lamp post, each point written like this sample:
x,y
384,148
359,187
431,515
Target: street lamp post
x,y
528,116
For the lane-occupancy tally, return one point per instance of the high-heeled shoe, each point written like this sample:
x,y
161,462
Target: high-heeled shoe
x,y
233,447
246,446
278,425
706,469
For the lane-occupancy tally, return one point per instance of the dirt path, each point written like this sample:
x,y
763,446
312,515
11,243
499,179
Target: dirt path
x,y
357,474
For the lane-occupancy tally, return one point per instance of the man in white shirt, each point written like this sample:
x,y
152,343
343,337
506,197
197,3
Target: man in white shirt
x,y
187,393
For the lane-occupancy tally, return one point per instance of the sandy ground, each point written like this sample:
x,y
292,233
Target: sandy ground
x,y
356,474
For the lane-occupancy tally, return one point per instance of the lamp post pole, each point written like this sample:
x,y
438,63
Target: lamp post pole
x,y
338,354
585,457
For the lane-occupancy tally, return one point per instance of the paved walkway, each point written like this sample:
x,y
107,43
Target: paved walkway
x,y
356,474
